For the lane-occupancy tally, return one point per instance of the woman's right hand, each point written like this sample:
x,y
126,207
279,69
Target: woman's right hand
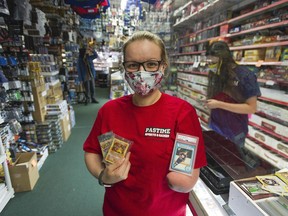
x,y
118,171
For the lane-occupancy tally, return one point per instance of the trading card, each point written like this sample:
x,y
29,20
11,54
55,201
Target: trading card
x,y
184,153
105,141
273,184
117,150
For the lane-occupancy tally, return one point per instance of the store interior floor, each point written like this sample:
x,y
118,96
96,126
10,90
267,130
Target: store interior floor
x,y
65,187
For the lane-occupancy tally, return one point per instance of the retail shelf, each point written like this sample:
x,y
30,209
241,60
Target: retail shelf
x,y
6,196
264,27
264,153
263,63
257,46
276,119
268,147
2,158
189,53
198,14
211,27
280,137
274,101
273,82
194,90
202,119
179,10
8,193
189,44
182,62
53,73
194,72
259,11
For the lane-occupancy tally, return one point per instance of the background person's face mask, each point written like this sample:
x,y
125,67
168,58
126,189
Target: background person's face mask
x,y
213,67
143,82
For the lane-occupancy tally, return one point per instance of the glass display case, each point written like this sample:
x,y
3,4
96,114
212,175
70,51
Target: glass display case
x,y
227,162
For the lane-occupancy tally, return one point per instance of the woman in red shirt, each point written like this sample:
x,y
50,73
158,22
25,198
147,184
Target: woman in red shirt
x,y
141,183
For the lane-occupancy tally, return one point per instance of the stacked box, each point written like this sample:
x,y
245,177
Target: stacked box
x,y
44,135
66,126
57,134
39,94
59,108
55,93
29,132
273,54
254,55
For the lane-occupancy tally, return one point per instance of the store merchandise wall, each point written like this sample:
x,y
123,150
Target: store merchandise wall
x,y
65,187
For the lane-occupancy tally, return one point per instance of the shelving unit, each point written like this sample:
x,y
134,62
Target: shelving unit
x,y
7,191
192,73
268,126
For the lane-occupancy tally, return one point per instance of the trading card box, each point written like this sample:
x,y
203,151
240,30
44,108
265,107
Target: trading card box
x,y
184,153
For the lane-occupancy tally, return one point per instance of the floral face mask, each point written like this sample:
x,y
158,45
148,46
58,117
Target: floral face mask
x,y
143,82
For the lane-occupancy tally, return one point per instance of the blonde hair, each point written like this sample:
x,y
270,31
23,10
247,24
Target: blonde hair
x,y
146,35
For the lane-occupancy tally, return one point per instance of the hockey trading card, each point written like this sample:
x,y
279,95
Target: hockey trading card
x,y
117,150
105,141
184,153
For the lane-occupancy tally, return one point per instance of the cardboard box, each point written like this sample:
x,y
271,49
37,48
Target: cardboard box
x,y
272,54
254,55
24,173
65,126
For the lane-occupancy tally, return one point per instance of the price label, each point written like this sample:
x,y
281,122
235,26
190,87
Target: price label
x,y
196,64
270,82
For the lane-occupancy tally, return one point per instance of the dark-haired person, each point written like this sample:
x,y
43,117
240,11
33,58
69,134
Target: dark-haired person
x,y
231,95
141,184
87,73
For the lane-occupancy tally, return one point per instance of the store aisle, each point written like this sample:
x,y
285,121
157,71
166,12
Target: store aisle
x,y
65,187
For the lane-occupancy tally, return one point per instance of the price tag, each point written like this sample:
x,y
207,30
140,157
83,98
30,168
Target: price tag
x,y
270,82
196,64
202,63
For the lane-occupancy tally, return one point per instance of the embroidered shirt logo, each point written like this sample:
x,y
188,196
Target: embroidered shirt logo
x,y
157,132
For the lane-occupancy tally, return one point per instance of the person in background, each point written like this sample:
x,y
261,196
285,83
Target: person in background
x,y
231,95
86,72
141,184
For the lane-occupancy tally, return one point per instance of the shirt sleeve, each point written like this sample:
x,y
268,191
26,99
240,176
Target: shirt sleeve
x,y
248,83
188,123
91,143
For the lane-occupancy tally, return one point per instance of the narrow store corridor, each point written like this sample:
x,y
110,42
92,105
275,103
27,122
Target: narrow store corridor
x,y
65,187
